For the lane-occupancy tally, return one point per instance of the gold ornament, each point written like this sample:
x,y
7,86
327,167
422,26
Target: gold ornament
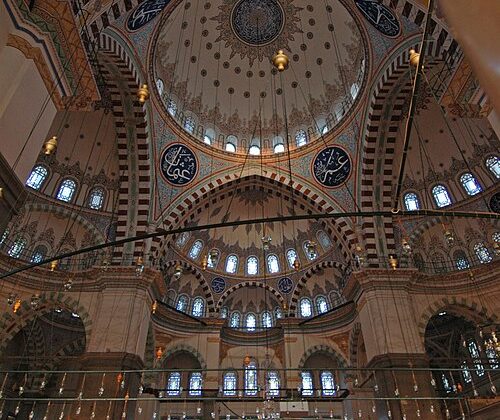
x,y
266,242
280,60
159,353
1,193
247,360
17,305
154,307
448,236
393,261
53,265
143,93
204,262
50,146
406,246
414,58
178,271
296,264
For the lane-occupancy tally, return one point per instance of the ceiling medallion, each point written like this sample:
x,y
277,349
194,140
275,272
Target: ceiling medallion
x,y
331,166
145,13
495,202
268,24
380,16
178,164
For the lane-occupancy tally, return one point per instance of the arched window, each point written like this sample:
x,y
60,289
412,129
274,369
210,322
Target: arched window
x,y
231,264
493,164
325,129
252,266
476,357
213,258
230,147
336,298
321,305
470,184
466,373
482,253
305,307
182,240
66,190
441,196
300,138
279,148
491,354
310,250
195,383
160,86
278,313
327,383
4,236
224,312
461,260
446,383
96,198
273,383
174,384
207,139
323,239
438,263
267,320
250,322
354,90
17,248
291,256
251,379
171,107
37,176
234,322
411,201
189,124
182,303
195,250
254,150
39,254
198,307
273,265
495,237
230,384
307,384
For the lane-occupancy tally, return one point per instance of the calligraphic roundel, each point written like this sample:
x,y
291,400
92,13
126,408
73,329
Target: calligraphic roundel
x,y
144,13
380,16
331,166
178,164
285,285
218,285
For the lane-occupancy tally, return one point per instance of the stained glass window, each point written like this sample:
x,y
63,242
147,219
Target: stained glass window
x,y
251,379
441,196
4,236
321,305
39,254
279,148
482,253
195,250
234,322
411,201
198,307
493,164
171,107
66,190
17,248
195,382
223,312
252,266
291,255
182,303
267,320
354,90
324,240
476,357
273,384
300,138
491,354
213,258
174,384
96,198
250,322
310,250
189,124
466,373
230,147
37,177
160,86
470,184
307,384
446,383
273,265
207,139
230,384
231,264
461,260
254,150
305,308
278,313
182,240
327,383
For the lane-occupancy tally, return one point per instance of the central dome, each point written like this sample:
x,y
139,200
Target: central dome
x,y
257,22
212,65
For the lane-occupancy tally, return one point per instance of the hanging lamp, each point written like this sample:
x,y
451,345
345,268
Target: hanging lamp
x,y
50,146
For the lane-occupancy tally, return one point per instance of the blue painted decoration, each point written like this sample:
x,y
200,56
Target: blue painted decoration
x,y
495,203
285,285
178,164
331,166
380,16
218,285
145,13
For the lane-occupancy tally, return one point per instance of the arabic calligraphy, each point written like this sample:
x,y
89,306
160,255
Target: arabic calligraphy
x,y
218,285
285,285
332,166
144,13
380,16
495,202
178,164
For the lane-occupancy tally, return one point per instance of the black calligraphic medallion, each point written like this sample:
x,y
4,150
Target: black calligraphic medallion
x,y
331,166
285,285
144,13
218,285
178,164
495,202
380,16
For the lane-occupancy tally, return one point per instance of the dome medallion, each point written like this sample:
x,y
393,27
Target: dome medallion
x,y
257,22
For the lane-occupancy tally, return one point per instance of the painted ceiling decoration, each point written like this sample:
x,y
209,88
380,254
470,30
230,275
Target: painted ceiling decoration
x,y
144,13
178,164
218,285
331,167
380,16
